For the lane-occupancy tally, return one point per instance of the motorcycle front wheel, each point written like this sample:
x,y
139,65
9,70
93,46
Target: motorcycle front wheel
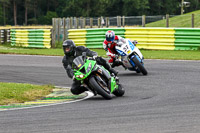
x,y
119,92
140,66
104,92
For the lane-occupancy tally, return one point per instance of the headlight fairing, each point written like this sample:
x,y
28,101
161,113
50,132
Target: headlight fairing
x,y
89,67
80,76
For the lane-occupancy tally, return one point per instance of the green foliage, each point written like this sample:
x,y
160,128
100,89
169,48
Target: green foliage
x,y
133,6
58,44
32,21
47,20
41,11
162,7
1,16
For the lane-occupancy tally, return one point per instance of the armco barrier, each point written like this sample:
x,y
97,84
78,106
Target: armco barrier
x,y
37,38
148,38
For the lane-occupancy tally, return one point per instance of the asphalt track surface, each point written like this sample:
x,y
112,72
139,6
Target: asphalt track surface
x,y
167,100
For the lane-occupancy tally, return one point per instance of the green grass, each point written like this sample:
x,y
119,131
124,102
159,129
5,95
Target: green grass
x,y
179,21
30,51
172,55
19,93
6,49
148,54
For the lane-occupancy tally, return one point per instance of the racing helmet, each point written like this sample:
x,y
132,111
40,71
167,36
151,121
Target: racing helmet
x,y
110,36
69,47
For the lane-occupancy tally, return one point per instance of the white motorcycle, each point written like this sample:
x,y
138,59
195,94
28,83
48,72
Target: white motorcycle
x,y
131,56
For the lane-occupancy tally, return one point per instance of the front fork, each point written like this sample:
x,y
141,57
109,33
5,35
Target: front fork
x,y
138,58
114,85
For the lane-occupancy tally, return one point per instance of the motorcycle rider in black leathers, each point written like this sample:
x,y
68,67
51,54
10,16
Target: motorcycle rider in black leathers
x,y
72,51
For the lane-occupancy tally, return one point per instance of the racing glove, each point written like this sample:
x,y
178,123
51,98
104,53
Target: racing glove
x,y
73,78
113,55
119,44
135,42
94,57
109,44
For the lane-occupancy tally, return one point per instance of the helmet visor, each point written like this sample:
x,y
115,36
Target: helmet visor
x,y
110,39
67,49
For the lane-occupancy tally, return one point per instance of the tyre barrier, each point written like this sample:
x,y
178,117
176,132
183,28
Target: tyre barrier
x,y
148,38
91,38
36,38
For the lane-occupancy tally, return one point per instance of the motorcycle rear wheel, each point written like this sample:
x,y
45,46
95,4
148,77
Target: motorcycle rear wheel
x,y
100,90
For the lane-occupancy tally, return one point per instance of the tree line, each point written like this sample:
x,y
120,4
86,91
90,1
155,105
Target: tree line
x,y
41,12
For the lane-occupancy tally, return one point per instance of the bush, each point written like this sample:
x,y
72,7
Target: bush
x,y
47,20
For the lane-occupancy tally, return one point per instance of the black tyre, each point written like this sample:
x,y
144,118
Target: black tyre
x,y
140,66
119,92
105,93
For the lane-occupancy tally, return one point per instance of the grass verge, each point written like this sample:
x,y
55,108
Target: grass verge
x,y
19,93
148,54
179,21
172,55
30,51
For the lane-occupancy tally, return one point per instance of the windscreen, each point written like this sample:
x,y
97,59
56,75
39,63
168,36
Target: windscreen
x,y
77,62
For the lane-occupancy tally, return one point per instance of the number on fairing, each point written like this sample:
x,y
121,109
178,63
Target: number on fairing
x,y
125,48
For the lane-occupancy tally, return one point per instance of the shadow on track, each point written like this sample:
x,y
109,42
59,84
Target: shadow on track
x,y
130,74
99,98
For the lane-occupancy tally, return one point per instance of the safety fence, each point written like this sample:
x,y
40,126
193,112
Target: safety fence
x,y
148,38
4,36
37,38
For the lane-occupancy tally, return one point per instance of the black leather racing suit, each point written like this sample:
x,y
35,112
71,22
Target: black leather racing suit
x,y
76,87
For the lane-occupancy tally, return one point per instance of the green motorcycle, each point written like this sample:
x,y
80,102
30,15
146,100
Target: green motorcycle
x,y
96,77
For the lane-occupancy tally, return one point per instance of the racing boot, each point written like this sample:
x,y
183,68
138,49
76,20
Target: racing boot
x,y
115,63
106,65
123,65
111,70
117,79
118,63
